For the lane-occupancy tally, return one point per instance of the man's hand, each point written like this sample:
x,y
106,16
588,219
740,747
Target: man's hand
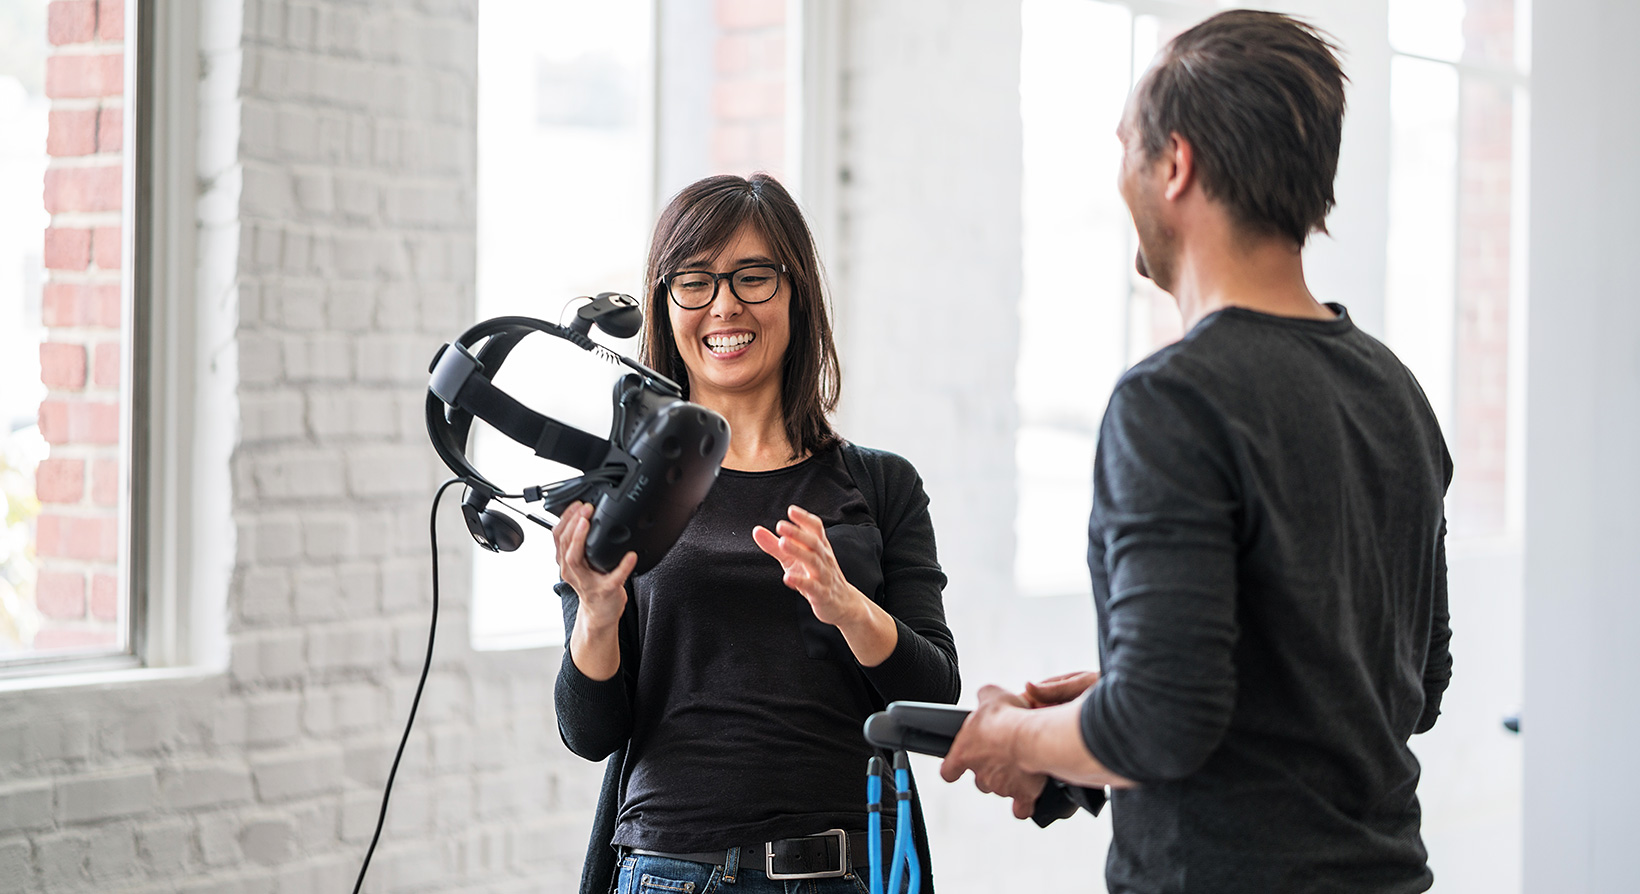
x,y
1060,689
988,745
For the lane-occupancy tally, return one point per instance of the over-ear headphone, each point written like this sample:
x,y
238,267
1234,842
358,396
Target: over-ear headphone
x,y
495,531
645,480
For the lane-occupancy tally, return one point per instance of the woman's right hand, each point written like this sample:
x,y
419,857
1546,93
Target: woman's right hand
x,y
603,596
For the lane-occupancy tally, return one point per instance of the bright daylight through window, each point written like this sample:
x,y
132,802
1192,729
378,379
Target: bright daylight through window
x,y
63,443
562,127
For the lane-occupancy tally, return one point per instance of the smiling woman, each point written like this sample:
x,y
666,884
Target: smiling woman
x,y
733,709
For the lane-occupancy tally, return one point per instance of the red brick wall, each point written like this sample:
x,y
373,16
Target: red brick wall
x,y
749,91
78,533
1485,159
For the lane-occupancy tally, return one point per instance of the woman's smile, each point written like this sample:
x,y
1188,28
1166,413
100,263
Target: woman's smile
x,y
727,344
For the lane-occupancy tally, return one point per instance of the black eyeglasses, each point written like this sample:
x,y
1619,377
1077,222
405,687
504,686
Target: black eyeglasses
x,y
695,289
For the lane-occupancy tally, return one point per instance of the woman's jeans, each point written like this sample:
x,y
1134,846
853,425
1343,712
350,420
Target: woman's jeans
x,y
647,874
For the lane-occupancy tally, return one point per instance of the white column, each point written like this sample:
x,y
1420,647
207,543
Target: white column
x,y
1582,702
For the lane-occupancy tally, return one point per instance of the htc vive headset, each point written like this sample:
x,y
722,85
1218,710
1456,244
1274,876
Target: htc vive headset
x,y
644,481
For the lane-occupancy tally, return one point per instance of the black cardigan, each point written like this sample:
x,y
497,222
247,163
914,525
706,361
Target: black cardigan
x,y
923,666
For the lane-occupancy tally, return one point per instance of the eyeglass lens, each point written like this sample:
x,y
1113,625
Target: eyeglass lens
x,y
696,289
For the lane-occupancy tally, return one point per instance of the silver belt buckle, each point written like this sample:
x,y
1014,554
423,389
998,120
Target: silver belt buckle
x,y
839,872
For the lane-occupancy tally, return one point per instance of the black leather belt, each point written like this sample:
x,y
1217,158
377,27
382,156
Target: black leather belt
x,y
830,854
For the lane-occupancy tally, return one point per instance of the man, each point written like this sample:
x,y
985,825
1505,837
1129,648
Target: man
x,y
1266,540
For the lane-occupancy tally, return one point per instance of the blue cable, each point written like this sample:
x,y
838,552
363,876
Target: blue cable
x,y
902,828
913,869
874,821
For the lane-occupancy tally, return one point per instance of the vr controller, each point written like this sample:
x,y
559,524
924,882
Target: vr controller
x,y
931,728
645,480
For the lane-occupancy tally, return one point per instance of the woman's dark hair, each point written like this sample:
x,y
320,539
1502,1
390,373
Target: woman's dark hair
x,y
1260,98
700,220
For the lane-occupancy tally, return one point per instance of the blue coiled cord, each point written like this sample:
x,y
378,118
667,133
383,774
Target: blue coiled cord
x,y
905,868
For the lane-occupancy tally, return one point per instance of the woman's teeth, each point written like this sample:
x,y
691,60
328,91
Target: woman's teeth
x,y
728,344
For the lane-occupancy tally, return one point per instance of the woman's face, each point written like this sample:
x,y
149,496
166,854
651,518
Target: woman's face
x,y
733,350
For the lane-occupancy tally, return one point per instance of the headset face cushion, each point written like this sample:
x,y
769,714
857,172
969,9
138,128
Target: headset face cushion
x,y
679,447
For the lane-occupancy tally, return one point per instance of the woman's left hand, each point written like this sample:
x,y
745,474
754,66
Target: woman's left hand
x,y
803,550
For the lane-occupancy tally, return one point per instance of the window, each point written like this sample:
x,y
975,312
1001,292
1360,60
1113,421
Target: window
x,y
65,327
1085,315
581,140
1459,89
564,203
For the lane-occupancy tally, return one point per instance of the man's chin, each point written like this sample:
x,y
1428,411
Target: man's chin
x,y
1140,265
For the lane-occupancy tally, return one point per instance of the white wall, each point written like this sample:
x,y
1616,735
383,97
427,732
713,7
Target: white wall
x,y
336,252
1582,708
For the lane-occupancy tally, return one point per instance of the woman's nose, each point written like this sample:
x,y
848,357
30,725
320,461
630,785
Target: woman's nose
x,y
724,302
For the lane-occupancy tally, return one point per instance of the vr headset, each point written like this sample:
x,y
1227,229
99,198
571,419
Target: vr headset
x,y
644,481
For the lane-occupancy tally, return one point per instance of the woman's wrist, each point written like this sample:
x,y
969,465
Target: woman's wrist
x,y
857,614
593,624
871,632
596,652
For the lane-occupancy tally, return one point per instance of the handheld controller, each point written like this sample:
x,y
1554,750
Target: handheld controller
x,y
930,728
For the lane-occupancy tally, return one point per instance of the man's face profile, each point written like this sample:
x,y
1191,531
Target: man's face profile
x,y
1135,181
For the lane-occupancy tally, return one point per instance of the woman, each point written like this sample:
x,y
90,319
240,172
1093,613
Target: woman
x,y
729,682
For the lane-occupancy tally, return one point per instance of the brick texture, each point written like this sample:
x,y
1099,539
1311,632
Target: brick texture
x,y
78,541
338,252
81,299
1485,147
748,94
60,480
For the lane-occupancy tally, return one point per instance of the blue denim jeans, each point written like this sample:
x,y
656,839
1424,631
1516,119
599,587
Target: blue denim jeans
x,y
645,874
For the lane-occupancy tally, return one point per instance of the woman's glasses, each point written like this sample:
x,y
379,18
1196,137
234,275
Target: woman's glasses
x,y
695,289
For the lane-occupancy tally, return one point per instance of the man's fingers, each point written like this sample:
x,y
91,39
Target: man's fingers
x,y
1061,689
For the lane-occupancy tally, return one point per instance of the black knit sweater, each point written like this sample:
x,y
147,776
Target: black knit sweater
x,y
599,720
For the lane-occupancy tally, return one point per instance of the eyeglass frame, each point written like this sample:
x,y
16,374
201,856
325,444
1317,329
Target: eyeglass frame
x,y
666,283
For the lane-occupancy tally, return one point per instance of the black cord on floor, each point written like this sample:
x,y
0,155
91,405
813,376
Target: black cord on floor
x,y
427,664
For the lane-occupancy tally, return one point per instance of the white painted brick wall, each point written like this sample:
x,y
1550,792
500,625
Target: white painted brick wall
x,y
337,250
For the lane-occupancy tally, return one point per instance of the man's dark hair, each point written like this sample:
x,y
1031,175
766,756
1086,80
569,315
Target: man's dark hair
x,y
1260,98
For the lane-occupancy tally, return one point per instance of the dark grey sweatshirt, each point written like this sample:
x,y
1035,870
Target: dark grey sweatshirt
x,y
1267,554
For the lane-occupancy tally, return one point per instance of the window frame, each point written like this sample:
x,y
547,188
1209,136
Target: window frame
x,y
157,277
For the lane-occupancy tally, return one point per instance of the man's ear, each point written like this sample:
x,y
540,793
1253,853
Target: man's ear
x,y
1181,166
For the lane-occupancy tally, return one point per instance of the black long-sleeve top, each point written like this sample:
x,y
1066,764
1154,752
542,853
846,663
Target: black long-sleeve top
x,y
736,716
1268,561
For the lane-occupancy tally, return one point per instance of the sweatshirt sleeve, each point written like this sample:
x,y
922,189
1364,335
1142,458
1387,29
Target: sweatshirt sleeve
x,y
1438,661
595,717
1165,503
923,665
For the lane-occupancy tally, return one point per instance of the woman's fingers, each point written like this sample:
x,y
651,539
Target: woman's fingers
x,y
769,542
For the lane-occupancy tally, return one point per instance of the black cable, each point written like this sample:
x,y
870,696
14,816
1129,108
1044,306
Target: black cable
x,y
426,665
